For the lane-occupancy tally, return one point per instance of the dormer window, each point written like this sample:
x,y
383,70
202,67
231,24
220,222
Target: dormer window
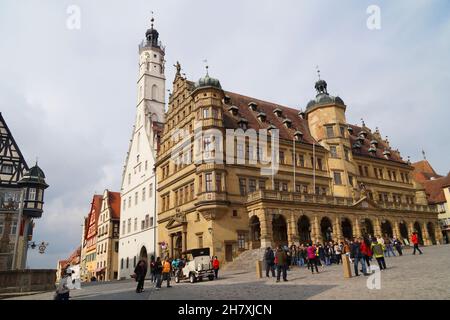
x,y
270,128
350,130
372,151
226,99
233,110
243,123
301,114
387,154
287,122
261,116
360,139
298,135
277,112
357,145
363,133
253,105
374,143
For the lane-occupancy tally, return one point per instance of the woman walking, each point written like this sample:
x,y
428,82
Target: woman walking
x,y
158,271
312,258
139,274
215,265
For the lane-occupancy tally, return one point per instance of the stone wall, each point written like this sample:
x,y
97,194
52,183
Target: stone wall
x,y
27,280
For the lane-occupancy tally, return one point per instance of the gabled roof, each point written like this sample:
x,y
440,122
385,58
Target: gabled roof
x,y
366,144
242,102
434,189
423,171
114,204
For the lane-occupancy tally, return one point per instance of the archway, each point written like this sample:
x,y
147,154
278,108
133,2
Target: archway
x,y
386,229
304,229
326,229
279,229
403,231
367,228
418,229
255,232
347,230
143,254
430,228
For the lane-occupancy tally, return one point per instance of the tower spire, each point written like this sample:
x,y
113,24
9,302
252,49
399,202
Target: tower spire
x,y
152,20
424,155
318,71
206,66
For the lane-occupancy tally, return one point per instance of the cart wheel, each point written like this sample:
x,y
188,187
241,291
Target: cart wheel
x,y
192,278
211,277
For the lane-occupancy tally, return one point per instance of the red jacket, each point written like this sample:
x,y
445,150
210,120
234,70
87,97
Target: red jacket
x,y
365,250
414,239
215,264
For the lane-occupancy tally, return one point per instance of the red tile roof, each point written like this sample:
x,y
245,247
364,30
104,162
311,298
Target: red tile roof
x,y
423,171
364,150
114,204
434,189
240,101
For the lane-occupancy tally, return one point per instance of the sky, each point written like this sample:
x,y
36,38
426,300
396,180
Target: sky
x,y
69,94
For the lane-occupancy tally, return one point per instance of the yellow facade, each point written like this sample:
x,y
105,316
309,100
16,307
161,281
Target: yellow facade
x,y
231,207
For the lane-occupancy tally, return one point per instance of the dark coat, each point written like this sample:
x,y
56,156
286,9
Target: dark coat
x,y
140,272
281,258
356,250
269,257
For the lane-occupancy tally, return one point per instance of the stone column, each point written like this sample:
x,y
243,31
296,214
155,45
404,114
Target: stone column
x,y
265,223
438,234
396,229
171,244
293,237
426,235
357,227
317,234
184,242
337,228
377,228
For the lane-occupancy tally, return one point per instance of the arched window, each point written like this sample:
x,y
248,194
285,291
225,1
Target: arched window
x,y
128,263
155,92
121,263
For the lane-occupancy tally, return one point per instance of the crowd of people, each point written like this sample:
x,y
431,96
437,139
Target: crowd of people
x,y
361,251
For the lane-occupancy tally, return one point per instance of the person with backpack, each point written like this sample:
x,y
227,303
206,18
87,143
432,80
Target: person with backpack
x,y
398,246
415,242
281,261
378,253
357,257
269,260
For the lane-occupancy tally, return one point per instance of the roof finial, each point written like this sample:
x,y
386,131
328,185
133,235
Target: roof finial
x,y
362,122
206,66
37,159
424,156
152,20
318,71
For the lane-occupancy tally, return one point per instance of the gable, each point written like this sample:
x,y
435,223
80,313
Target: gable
x,y
365,203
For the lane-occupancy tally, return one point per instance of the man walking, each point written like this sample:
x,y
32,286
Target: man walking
x,y
166,271
281,264
140,271
357,257
415,241
269,259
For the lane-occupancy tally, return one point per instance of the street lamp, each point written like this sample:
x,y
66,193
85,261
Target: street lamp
x,y
41,246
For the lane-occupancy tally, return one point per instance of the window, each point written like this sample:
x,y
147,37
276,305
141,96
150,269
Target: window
x,y
7,169
330,132
240,151
301,160
14,227
241,240
282,159
346,154
389,175
284,186
192,191
143,194
150,190
252,185
32,194
361,172
121,263
235,213
242,186
218,183
176,198
134,262
262,184
375,171
337,178
135,224
205,113
136,195
276,186
342,130
147,221
366,171
128,263
333,151
208,182
319,164
151,222
394,175
129,225
350,180
1,227
129,178
380,171
200,241
123,227
186,193
142,224
129,202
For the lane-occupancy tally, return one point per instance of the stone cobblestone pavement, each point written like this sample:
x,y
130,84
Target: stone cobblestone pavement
x,y
424,276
